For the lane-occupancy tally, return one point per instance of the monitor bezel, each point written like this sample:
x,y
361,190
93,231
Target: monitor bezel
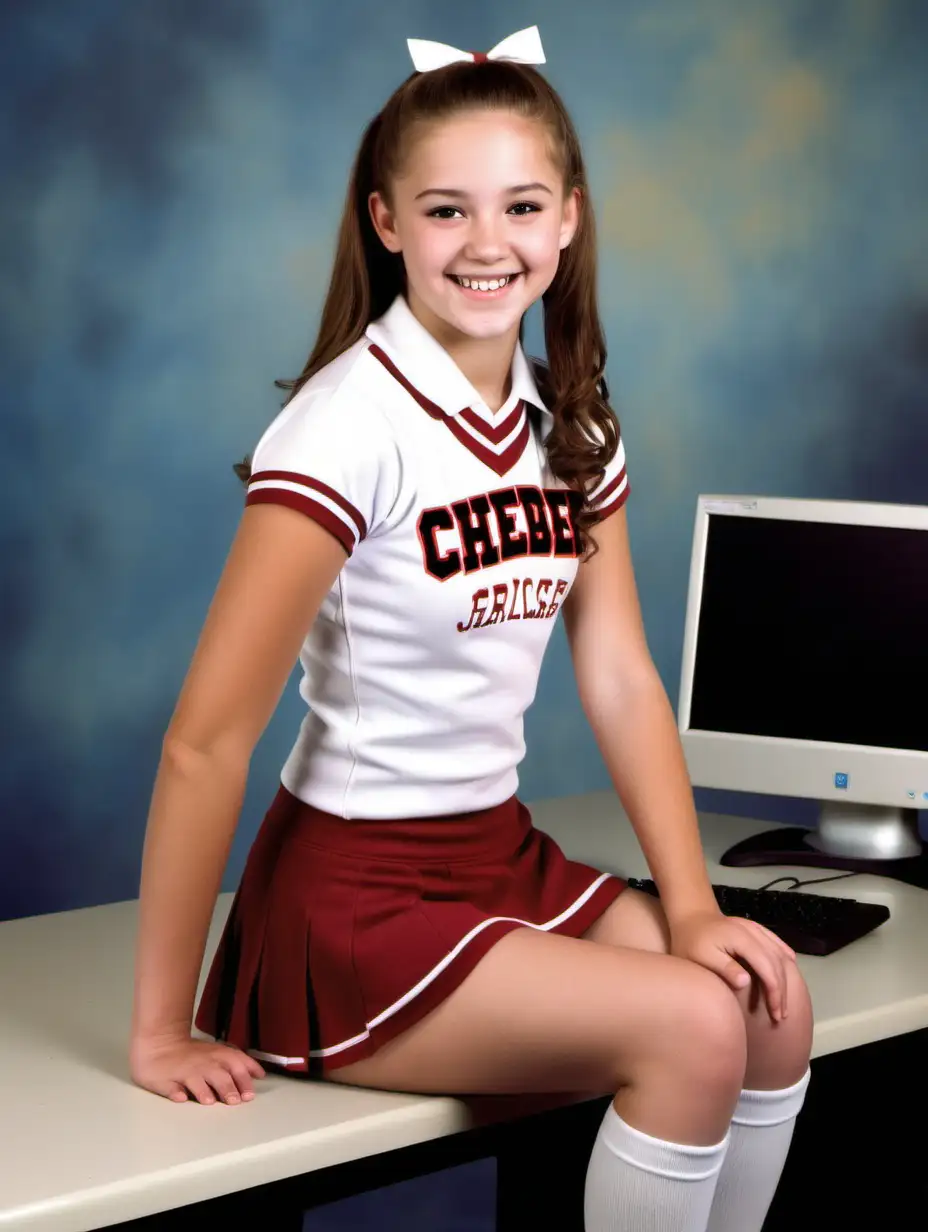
x,y
779,765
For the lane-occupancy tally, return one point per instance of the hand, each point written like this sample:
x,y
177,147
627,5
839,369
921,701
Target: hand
x,y
736,949
179,1067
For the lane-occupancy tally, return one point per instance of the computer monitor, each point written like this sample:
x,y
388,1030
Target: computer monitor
x,y
805,673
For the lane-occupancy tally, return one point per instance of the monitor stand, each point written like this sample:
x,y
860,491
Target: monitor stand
x,y
858,838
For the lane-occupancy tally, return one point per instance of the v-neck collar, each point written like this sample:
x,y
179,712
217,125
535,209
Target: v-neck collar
x,y
427,372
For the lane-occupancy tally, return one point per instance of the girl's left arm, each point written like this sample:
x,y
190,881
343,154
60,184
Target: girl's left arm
x,y
628,710
630,714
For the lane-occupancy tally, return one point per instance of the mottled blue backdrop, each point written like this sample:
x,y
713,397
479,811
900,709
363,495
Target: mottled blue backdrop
x,y
173,175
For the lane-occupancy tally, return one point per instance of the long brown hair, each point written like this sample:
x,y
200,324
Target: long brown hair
x,y
366,277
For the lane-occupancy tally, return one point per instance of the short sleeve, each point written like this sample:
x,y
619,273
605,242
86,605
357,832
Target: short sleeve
x,y
331,457
612,492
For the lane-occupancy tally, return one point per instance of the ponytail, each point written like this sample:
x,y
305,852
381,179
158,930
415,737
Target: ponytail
x,y
366,277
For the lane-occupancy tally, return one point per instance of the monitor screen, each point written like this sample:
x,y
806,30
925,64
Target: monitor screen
x,y
813,631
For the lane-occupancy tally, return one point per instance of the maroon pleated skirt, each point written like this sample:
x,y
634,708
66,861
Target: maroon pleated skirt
x,y
343,933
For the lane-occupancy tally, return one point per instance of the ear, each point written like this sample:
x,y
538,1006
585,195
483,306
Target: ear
x,y
384,222
573,204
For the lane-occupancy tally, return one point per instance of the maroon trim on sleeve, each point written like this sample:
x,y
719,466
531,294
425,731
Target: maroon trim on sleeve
x,y
603,511
315,485
610,487
306,505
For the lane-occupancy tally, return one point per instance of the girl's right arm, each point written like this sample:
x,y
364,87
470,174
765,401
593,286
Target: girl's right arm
x,y
280,567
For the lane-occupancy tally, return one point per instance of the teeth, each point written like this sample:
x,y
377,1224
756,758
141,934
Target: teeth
x,y
489,284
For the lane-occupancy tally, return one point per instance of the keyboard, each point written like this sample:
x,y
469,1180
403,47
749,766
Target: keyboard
x,y
808,923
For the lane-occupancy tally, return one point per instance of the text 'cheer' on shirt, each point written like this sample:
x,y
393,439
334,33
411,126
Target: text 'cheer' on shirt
x,y
462,547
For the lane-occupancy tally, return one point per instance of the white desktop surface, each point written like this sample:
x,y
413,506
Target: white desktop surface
x,y
81,1147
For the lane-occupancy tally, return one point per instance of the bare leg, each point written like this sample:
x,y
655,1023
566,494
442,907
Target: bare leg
x,y
549,1013
777,1053
775,1079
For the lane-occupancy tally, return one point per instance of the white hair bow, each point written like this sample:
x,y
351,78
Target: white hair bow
x,y
523,47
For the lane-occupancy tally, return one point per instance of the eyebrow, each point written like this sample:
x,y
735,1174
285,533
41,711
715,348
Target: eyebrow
x,y
461,195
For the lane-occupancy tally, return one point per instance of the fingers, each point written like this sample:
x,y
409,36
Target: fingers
x,y
174,1091
788,956
781,944
255,1068
227,1076
757,955
741,952
243,1073
197,1070
734,974
211,1084
768,962
223,1084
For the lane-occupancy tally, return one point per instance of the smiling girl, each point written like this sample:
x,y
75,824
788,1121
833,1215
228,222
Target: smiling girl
x,y
417,515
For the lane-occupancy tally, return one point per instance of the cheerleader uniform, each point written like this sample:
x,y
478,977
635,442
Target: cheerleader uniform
x,y
396,852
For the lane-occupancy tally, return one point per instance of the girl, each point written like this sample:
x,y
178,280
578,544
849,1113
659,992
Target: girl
x,y
417,515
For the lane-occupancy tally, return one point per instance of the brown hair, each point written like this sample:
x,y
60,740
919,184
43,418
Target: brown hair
x,y
366,277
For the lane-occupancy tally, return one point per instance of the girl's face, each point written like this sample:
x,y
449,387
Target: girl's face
x,y
479,202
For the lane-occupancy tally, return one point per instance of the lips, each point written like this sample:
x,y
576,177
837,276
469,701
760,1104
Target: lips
x,y
484,285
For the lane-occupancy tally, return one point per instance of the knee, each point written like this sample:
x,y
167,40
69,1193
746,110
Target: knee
x,y
715,1034
778,1053
706,1045
800,1016
800,999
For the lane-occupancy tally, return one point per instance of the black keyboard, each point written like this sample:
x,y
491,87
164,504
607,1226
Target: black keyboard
x,y
809,923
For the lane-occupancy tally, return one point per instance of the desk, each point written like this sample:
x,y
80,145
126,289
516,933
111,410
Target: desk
x,y
84,1148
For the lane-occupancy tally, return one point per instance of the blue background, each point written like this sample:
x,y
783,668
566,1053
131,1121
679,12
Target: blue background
x,y
174,172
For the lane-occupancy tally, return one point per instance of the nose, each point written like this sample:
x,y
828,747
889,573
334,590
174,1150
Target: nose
x,y
485,241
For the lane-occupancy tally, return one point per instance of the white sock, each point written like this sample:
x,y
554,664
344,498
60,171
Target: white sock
x,y
761,1131
636,1183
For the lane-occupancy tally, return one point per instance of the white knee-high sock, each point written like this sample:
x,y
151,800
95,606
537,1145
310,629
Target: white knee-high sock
x,y
761,1131
636,1183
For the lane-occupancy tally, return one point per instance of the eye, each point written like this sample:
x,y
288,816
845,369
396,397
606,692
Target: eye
x,y
443,211
525,207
